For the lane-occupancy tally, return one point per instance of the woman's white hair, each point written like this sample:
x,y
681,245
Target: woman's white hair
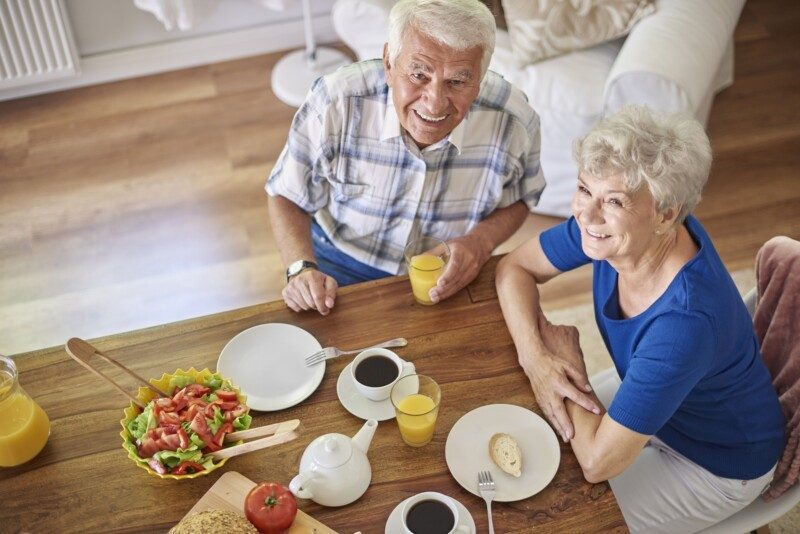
x,y
670,154
456,24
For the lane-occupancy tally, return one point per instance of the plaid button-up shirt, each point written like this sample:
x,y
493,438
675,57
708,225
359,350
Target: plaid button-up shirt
x,y
348,161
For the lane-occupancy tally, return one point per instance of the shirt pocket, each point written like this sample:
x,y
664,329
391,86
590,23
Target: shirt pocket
x,y
355,211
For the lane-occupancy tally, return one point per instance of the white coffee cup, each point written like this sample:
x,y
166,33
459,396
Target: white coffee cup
x,y
381,392
433,496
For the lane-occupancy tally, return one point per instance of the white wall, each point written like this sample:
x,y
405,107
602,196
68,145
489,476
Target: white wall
x,y
115,40
102,26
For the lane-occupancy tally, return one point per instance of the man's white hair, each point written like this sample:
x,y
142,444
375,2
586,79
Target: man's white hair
x,y
670,154
456,24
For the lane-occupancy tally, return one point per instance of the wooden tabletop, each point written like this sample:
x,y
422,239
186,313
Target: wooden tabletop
x,y
83,480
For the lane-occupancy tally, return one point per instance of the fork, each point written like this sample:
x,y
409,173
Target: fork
x,y
486,489
332,352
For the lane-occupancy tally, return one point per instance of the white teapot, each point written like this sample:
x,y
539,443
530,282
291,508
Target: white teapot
x,y
334,469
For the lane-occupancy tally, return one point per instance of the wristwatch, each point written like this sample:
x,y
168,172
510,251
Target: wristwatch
x,y
298,267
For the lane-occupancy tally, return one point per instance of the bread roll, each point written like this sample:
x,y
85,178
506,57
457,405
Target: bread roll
x,y
505,452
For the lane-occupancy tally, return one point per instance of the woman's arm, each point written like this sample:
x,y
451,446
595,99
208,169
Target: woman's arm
x,y
553,377
604,448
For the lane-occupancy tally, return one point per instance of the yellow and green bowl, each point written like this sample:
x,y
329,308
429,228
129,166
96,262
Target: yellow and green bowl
x,y
145,395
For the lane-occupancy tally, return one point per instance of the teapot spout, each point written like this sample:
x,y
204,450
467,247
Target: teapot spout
x,y
364,436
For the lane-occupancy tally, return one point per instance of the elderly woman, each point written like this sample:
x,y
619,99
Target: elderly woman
x,y
694,429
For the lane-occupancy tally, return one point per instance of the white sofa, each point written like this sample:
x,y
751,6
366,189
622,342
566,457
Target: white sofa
x,y
674,60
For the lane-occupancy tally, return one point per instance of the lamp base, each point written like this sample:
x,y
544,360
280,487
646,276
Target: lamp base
x,y
292,77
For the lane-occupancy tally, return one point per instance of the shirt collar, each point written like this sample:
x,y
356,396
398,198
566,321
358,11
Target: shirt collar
x,y
391,125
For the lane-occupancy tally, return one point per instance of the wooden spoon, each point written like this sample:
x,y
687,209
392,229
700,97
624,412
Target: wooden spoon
x,y
82,352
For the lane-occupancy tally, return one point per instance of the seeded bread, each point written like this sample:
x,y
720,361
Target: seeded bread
x,y
505,452
214,522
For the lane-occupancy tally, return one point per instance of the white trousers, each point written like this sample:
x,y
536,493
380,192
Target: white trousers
x,y
663,491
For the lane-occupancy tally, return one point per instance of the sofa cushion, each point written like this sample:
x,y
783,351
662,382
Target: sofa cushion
x,y
542,29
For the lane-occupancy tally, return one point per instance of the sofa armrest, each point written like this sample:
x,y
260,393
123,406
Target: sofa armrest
x,y
363,25
671,59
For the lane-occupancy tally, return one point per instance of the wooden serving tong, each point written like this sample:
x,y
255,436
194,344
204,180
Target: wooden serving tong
x,y
278,433
82,352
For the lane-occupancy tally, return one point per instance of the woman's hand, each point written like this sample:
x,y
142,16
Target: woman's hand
x,y
558,373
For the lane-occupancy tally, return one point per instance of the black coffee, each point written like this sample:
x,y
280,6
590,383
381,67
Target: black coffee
x,y
376,371
430,517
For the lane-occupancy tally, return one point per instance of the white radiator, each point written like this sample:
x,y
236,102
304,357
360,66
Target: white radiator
x,y
35,43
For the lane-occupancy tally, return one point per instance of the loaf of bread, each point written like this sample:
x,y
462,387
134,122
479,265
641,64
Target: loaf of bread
x,y
214,522
505,452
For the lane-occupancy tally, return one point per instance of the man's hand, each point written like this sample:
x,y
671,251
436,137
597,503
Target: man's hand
x,y
467,255
557,374
310,290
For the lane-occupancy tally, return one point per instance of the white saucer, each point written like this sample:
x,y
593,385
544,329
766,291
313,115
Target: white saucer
x,y
357,404
394,525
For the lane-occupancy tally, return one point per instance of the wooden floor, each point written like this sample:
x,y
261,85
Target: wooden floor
x,y
141,202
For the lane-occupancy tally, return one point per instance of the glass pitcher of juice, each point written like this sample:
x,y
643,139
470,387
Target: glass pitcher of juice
x,y
24,427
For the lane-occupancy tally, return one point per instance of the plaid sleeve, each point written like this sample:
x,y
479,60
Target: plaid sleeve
x,y
526,181
300,172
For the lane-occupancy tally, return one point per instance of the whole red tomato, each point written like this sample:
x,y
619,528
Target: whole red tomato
x,y
271,507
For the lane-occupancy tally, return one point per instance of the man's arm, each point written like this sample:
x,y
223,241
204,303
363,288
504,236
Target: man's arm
x,y
291,226
468,253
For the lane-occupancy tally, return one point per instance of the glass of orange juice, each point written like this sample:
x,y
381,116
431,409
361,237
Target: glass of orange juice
x,y
416,405
24,427
426,258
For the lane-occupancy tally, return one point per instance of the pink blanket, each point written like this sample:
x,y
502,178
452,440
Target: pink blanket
x,y
777,324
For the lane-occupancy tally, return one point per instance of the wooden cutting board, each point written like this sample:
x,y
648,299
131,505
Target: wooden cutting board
x,y
229,492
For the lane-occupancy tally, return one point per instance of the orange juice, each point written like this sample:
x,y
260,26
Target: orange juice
x,y
424,271
416,418
24,427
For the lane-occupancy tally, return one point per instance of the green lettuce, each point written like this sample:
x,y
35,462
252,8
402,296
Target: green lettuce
x,y
214,382
143,422
179,382
172,458
242,422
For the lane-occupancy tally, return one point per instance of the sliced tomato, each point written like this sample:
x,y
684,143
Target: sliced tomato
x,y
239,410
165,403
200,426
225,428
169,418
196,390
228,405
187,467
147,447
184,437
169,442
226,395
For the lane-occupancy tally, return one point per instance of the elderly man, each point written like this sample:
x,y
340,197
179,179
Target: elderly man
x,y
422,142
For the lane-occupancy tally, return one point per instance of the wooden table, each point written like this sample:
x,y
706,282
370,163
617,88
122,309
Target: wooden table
x,y
83,480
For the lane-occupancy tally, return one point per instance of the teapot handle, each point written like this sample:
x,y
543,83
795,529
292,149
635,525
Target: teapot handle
x,y
300,486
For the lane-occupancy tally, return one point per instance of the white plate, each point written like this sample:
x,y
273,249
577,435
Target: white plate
x,y
267,362
394,525
467,450
360,406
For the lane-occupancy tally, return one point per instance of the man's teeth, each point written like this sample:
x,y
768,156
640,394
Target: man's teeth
x,y
429,118
596,235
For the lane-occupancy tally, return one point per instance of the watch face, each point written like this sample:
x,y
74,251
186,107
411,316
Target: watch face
x,y
295,268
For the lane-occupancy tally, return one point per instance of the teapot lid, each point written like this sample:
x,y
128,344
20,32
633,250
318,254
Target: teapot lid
x,y
332,450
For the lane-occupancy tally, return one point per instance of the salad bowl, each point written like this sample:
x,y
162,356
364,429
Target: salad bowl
x,y
169,383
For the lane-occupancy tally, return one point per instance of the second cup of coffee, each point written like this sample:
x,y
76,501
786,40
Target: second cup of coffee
x,y
375,371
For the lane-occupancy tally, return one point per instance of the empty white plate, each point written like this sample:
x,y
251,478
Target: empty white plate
x,y
267,362
467,450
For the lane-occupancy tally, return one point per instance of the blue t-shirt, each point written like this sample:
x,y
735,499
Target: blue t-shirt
x,y
690,364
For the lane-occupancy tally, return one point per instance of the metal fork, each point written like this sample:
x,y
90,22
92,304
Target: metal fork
x,y
487,490
332,352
